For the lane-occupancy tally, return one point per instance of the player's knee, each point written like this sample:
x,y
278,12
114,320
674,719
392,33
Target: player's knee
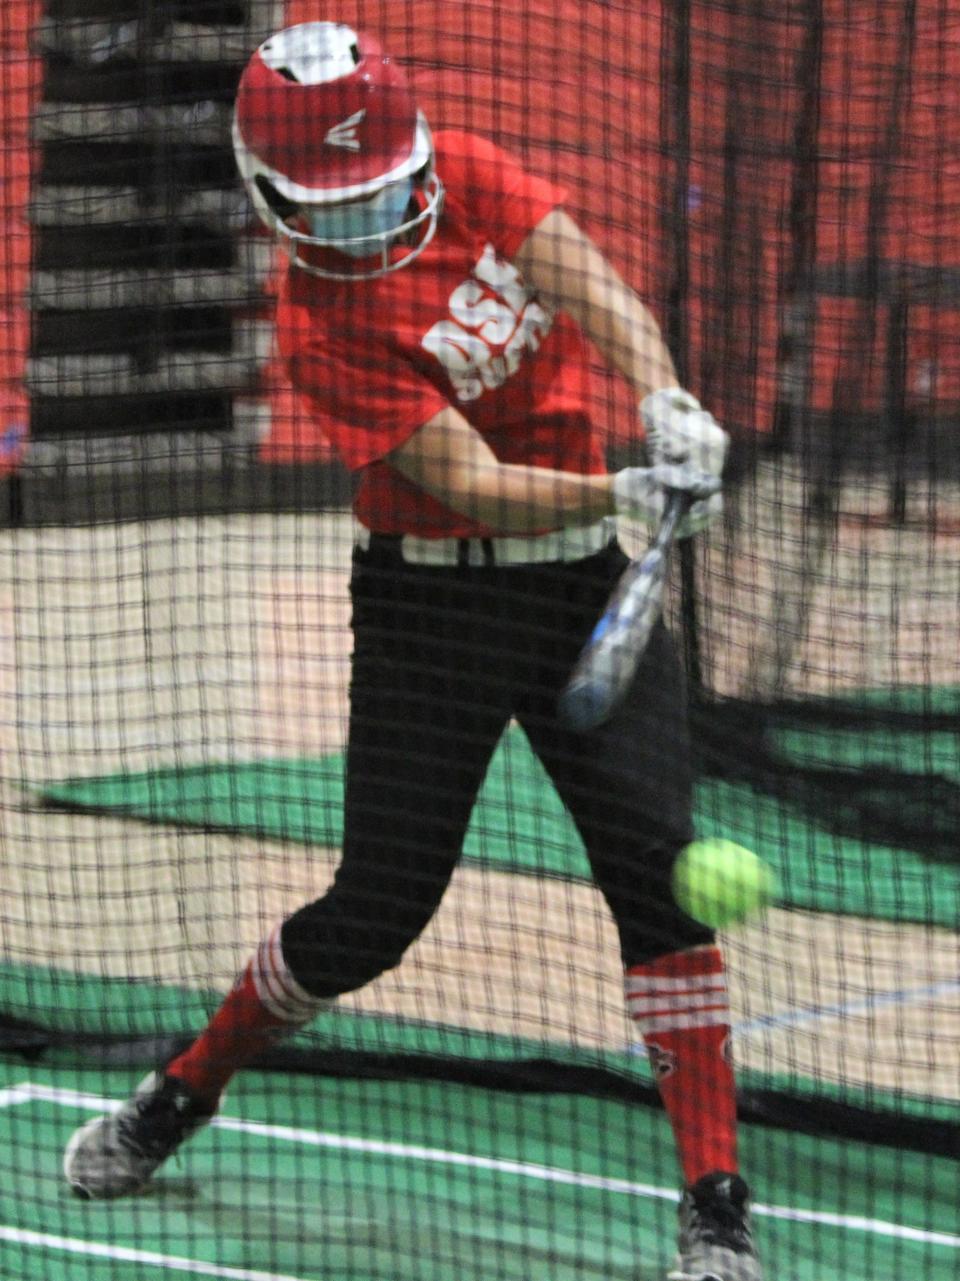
x,y
330,952
652,924
644,942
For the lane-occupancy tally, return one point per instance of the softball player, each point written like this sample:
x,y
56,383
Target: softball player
x,y
434,318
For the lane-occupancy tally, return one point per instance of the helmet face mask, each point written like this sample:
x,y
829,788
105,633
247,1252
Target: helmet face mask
x,y
355,224
335,155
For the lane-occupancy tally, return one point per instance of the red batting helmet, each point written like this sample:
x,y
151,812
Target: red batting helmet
x,y
327,136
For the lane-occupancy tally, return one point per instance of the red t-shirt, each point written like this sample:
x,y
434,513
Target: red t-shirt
x,y
376,359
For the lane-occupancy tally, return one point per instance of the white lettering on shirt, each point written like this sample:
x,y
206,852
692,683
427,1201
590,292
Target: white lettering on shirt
x,y
495,320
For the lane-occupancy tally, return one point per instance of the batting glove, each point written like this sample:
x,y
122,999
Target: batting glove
x,y
680,430
640,494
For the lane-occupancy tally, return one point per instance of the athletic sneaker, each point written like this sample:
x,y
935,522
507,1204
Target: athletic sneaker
x,y
716,1241
116,1154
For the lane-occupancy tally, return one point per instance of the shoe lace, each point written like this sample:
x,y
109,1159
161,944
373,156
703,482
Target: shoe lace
x,y
156,1123
719,1221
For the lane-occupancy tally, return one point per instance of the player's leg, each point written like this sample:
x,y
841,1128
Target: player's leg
x,y
628,786
115,1155
427,709
419,744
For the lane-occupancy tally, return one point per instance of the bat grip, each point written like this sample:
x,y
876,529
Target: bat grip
x,y
676,507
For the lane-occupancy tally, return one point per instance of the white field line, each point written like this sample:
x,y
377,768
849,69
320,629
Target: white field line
x,y
126,1254
808,1015
803,1015
29,1092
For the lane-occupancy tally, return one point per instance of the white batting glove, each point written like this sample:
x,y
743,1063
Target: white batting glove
x,y
640,494
680,430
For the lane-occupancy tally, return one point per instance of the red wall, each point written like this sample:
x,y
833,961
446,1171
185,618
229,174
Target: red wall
x,y
574,87
19,91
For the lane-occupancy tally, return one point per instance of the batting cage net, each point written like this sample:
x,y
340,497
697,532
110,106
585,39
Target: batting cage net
x,y
780,184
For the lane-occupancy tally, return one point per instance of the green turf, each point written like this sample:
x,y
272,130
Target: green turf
x,y
478,1185
520,825
69,1002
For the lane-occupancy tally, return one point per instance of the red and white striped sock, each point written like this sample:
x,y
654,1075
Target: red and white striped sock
x,y
680,1003
265,1002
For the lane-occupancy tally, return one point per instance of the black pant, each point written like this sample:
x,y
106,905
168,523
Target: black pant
x,y
443,658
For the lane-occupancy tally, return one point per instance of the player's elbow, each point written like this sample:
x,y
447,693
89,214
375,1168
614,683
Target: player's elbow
x,y
462,485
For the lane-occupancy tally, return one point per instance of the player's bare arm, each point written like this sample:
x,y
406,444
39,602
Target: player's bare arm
x,y
450,460
564,265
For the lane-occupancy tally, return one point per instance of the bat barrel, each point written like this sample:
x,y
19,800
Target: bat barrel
x,y
609,660
606,668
